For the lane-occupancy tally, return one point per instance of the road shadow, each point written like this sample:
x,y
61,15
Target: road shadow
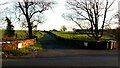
x,y
50,42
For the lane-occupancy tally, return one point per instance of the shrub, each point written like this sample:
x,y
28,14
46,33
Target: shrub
x,y
9,32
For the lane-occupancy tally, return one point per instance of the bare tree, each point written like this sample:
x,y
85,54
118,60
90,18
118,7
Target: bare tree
x,y
30,9
63,28
90,12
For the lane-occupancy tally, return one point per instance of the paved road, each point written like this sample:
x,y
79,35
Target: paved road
x,y
49,42
56,54
91,60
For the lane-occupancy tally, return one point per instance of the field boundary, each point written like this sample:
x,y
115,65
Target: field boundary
x,y
81,44
13,45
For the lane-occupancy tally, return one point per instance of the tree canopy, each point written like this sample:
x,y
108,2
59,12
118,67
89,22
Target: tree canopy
x,y
91,12
31,9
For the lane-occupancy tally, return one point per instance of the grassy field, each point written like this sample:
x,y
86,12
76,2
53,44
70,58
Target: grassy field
x,y
77,36
22,34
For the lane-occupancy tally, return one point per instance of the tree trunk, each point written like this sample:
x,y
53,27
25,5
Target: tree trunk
x,y
29,27
30,31
97,38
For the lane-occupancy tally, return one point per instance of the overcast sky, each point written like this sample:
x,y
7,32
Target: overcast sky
x,y
55,19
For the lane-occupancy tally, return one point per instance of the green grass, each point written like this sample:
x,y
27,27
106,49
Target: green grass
x,y
35,47
22,34
77,36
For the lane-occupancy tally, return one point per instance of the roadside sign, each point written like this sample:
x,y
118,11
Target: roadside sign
x,y
19,45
